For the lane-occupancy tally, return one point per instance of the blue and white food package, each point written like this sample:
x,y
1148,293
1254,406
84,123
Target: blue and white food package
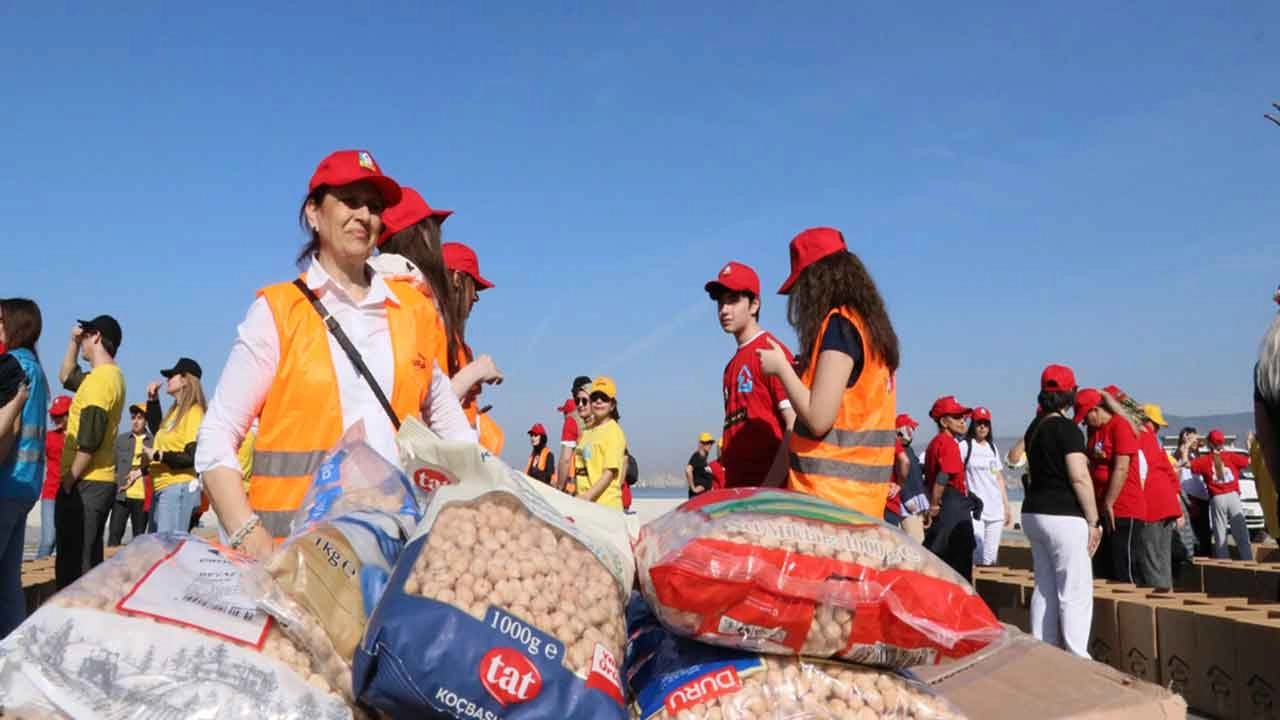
x,y
506,604
163,629
672,678
323,582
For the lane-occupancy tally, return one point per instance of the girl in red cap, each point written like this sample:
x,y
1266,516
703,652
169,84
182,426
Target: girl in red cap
x,y
1221,468
984,476
951,511
542,464
465,285
339,344
842,388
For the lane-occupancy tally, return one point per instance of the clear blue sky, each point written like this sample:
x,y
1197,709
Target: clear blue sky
x,y
1084,184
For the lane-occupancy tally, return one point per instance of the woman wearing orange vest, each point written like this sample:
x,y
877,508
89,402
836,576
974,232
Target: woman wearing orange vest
x,y
466,283
843,392
542,464
308,378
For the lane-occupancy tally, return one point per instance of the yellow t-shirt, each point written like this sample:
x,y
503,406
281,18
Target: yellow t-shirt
x,y
103,387
245,456
175,438
138,490
602,448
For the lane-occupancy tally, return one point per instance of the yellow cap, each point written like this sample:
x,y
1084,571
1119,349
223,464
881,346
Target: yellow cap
x,y
1153,413
605,385
706,438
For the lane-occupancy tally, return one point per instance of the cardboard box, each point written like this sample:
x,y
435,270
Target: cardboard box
x,y
1181,664
1216,645
1024,677
1104,635
1224,578
1257,644
1189,577
1139,649
1019,617
998,591
1266,584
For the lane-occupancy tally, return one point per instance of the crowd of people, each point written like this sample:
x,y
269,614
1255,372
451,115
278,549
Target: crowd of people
x,y
373,330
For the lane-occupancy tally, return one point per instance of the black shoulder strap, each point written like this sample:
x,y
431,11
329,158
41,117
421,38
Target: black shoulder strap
x,y
352,354
968,450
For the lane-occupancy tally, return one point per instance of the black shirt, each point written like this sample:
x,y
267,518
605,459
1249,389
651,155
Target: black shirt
x,y
701,473
842,336
1050,491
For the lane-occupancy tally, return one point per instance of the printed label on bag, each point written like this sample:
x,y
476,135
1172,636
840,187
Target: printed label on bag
x,y
197,587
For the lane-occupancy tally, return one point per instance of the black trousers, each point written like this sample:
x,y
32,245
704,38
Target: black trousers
x,y
950,535
1119,555
81,521
126,511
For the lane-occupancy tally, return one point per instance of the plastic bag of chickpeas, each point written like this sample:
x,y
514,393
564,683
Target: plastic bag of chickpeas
x,y
506,603
162,630
776,571
323,582
674,678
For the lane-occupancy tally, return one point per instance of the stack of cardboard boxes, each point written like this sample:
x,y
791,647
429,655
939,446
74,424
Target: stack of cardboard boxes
x,y
1216,641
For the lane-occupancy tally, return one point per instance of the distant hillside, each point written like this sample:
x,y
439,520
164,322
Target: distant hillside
x,y
1240,424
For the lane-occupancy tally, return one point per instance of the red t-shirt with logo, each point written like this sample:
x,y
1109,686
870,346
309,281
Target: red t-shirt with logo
x,y
943,456
1232,465
753,423
569,433
893,503
1162,486
1106,444
53,442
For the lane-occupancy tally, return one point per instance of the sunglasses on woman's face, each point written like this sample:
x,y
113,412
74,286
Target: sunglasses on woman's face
x,y
581,400
600,398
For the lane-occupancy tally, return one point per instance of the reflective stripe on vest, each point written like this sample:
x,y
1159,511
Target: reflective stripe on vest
x,y
301,419
852,464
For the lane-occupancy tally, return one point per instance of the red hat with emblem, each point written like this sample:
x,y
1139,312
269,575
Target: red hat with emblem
x,y
808,248
61,406
947,405
1216,438
1086,400
411,209
1057,378
537,429
981,414
463,259
349,166
905,420
735,277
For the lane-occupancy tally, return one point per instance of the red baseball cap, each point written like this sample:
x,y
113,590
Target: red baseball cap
x,y
463,259
735,277
537,429
808,248
61,406
947,405
348,166
1115,392
1216,437
1086,400
411,210
1057,378
568,406
981,413
905,420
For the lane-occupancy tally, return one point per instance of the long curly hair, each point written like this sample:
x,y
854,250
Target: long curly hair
x,y
420,243
840,280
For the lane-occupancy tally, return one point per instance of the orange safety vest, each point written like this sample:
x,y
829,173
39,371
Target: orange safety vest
x,y
543,457
490,433
852,465
301,419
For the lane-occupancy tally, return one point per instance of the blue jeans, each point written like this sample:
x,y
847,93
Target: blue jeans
x,y
47,529
171,510
13,530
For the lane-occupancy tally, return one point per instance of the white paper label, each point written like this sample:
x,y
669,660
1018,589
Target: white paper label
x,y
196,586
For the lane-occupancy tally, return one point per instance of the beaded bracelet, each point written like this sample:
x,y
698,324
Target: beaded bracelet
x,y
249,526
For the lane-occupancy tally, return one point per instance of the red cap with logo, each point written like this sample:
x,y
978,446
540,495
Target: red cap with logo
x,y
537,429
1115,392
735,277
808,248
1086,400
947,405
1057,378
411,210
348,166
905,420
61,406
981,414
1216,438
463,259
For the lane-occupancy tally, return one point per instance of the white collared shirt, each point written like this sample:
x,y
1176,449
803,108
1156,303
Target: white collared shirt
x,y
255,356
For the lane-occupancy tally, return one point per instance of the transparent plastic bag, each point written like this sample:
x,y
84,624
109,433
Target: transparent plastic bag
x,y
323,582
506,603
163,629
676,678
782,572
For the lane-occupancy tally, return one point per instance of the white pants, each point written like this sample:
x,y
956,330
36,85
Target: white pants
x,y
986,536
1226,514
1062,604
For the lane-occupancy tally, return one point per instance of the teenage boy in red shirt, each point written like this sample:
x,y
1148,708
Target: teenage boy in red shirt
x,y
1112,446
757,413
1221,473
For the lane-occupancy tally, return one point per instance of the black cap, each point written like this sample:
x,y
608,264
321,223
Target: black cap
x,y
580,382
184,365
107,327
